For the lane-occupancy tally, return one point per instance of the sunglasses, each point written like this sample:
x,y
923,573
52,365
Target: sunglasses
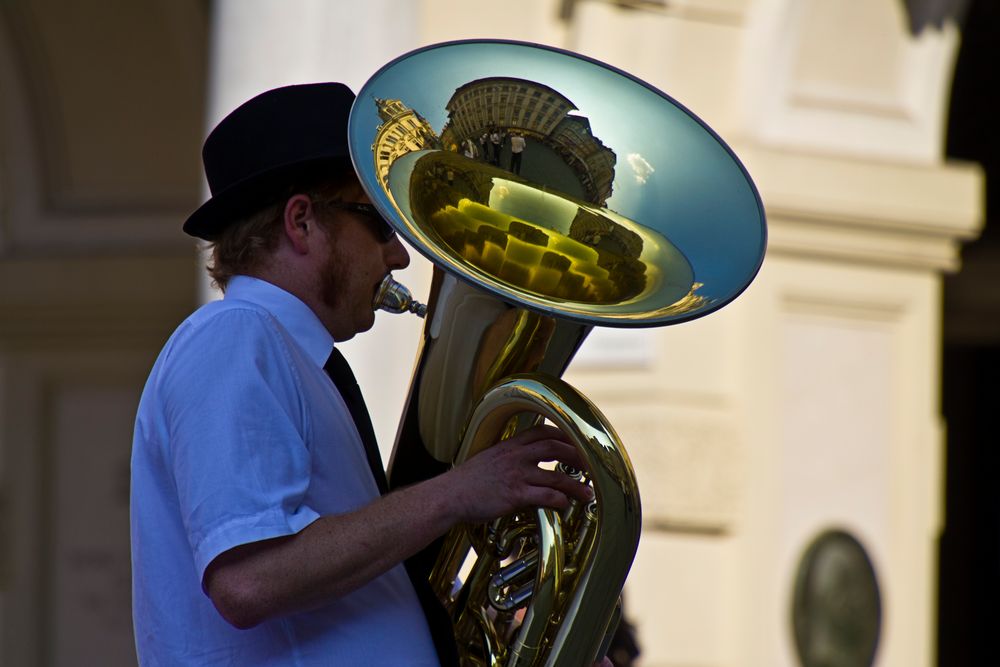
x,y
382,227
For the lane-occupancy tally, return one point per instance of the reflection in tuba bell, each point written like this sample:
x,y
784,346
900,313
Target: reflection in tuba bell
x,y
553,194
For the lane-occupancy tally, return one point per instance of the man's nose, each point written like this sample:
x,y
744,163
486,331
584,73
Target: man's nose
x,y
396,256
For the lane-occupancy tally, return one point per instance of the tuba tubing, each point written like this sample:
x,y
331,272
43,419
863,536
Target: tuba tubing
x,y
581,566
539,587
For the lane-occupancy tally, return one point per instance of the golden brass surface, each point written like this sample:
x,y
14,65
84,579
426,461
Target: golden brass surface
x,y
578,560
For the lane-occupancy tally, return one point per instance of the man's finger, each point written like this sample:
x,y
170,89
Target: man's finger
x,y
562,483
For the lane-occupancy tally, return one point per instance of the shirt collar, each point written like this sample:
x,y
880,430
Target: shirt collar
x,y
294,315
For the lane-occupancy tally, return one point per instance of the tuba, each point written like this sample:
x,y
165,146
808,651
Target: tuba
x,y
553,193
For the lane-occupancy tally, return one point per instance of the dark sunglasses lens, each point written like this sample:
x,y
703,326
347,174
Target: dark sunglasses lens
x,y
382,226
385,230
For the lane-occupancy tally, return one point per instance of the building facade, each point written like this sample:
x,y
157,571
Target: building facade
x,y
808,407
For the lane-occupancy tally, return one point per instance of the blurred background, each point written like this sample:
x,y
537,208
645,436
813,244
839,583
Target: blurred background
x,y
815,459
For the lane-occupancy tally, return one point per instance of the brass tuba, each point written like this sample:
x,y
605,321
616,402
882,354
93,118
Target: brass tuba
x,y
553,193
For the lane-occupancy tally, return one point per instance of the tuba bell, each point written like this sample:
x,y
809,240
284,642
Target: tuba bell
x,y
621,209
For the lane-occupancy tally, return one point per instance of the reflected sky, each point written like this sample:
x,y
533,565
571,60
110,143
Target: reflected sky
x,y
672,174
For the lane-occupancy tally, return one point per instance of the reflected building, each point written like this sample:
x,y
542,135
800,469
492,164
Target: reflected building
x,y
601,233
402,131
506,103
542,115
586,155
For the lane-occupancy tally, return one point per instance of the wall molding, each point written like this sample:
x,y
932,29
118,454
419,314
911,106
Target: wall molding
x,y
823,206
58,193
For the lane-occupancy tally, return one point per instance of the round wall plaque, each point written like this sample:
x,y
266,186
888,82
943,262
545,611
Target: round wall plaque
x,y
837,608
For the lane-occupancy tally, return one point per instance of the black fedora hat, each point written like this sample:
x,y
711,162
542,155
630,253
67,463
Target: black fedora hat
x,y
266,145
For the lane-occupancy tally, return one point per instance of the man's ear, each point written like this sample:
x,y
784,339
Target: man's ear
x,y
299,220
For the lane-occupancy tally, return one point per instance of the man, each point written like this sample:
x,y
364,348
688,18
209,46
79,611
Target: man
x,y
517,143
496,141
259,534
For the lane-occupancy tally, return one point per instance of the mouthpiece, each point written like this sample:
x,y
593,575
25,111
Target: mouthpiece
x,y
395,298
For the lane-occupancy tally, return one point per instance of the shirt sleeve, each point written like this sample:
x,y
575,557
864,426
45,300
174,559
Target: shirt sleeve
x,y
237,434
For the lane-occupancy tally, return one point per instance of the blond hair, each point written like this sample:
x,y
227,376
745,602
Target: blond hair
x,y
243,247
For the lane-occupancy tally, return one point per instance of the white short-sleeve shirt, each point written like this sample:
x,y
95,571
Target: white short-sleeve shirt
x,y
241,436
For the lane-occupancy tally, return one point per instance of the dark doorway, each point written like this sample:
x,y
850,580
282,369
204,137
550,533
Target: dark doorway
x,y
970,544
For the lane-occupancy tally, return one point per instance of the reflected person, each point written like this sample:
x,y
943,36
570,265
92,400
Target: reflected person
x,y
517,143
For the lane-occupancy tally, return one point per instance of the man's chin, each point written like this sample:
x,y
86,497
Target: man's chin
x,y
368,322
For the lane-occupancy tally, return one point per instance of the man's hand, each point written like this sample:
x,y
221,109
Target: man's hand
x,y
506,477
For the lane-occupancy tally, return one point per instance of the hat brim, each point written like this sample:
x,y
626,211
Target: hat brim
x,y
251,194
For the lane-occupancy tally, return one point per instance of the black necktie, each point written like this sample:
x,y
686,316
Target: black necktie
x,y
437,618
340,372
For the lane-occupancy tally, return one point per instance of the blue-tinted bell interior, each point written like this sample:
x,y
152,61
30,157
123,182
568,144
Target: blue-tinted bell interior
x,y
558,183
